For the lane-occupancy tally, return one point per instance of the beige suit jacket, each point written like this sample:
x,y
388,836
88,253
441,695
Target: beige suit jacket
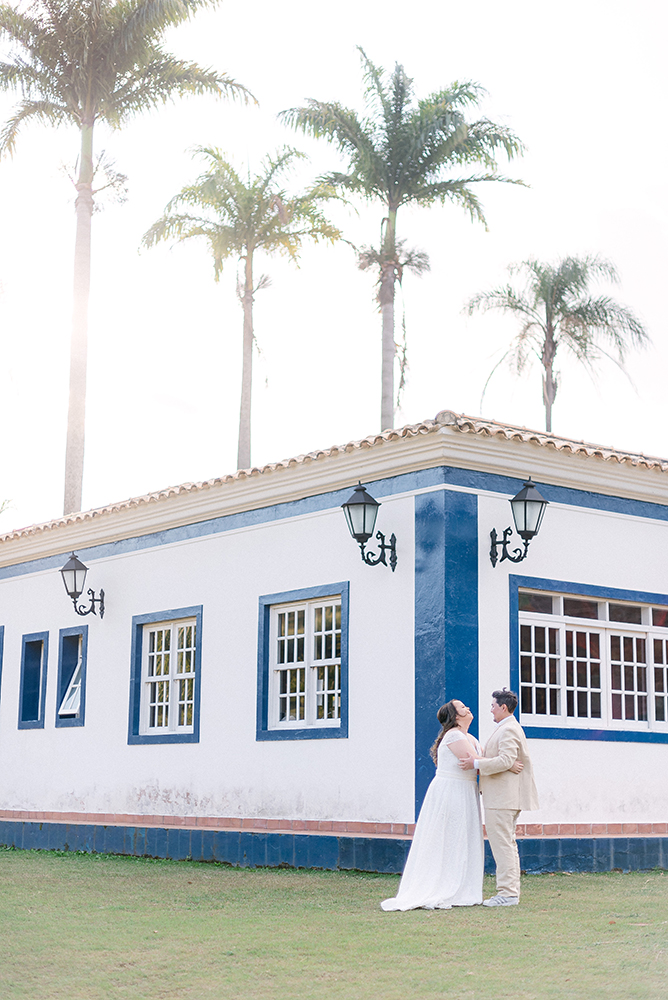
x,y
501,789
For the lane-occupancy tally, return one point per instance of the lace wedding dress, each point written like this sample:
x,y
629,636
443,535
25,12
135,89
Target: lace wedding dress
x,y
445,865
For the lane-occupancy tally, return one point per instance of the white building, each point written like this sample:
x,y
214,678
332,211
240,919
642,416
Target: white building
x,y
252,673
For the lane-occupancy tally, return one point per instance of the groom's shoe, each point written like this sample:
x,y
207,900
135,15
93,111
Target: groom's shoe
x,y
502,901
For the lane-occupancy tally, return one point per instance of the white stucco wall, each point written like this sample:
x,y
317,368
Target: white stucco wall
x,y
367,777
579,781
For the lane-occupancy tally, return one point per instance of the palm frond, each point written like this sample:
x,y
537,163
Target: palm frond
x,y
557,309
43,111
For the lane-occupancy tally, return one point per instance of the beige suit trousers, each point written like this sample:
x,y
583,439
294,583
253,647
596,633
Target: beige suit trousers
x,y
500,826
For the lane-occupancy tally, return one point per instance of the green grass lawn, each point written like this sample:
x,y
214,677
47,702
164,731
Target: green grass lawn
x,y
96,927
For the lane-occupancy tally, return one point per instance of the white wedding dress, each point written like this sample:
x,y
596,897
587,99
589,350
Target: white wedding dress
x,y
444,867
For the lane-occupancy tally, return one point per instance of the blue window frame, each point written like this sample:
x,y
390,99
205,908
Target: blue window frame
x,y
642,668
71,689
32,694
165,670
322,680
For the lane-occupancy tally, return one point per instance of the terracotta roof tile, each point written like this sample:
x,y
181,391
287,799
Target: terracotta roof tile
x,y
446,418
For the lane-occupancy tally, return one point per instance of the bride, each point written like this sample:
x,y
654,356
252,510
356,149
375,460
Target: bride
x,y
444,867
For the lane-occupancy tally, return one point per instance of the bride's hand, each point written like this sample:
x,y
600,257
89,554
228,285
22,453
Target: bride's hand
x,y
517,767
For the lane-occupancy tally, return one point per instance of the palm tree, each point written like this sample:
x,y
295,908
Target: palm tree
x,y
79,62
238,218
401,153
556,308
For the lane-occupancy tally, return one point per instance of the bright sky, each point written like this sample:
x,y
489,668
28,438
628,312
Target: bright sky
x,y
584,87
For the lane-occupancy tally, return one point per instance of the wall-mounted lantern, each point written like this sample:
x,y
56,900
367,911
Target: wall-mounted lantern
x,y
528,508
74,578
361,511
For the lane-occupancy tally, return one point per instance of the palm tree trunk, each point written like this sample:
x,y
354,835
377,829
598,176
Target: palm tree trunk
x,y
386,298
76,415
549,380
244,451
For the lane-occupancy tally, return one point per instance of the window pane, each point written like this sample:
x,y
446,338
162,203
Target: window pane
x,y
526,699
625,613
310,691
32,681
70,676
575,608
72,700
660,617
539,603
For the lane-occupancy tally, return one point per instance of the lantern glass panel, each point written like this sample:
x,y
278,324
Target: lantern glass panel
x,y
74,576
361,512
528,508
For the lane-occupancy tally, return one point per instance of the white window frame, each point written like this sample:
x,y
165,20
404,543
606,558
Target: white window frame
x,y
154,657
310,665
73,692
605,628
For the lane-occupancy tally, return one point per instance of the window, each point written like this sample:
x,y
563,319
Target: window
x,y
166,656
32,695
303,664
71,690
610,673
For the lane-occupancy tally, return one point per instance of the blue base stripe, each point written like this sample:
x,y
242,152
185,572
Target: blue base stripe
x,y
369,854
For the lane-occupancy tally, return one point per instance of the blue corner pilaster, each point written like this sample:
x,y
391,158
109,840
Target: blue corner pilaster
x,y
446,616
461,600
429,631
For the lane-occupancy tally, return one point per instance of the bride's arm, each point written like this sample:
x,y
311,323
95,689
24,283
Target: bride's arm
x,y
460,748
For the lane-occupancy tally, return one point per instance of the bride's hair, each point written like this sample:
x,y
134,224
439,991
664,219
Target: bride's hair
x,y
447,716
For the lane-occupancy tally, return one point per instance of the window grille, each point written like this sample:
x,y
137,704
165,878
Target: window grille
x,y
169,677
608,673
306,664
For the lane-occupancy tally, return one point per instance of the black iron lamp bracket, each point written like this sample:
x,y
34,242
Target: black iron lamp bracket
x,y
93,601
369,559
517,555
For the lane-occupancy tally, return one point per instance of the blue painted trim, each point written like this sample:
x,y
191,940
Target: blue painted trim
x,y
429,632
263,733
138,622
42,637
601,735
69,722
461,601
245,849
446,617
586,590
404,483
251,849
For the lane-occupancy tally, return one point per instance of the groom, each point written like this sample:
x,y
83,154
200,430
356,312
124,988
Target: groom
x,y
504,794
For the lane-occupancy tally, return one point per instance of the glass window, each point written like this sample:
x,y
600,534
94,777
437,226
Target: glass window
x,y
32,693
595,677
660,617
168,687
578,608
306,664
541,603
71,685
630,613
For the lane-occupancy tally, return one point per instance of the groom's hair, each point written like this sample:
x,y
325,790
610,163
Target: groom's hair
x,y
506,697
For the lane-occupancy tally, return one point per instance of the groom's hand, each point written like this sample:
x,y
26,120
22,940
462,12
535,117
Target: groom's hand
x,y
466,763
